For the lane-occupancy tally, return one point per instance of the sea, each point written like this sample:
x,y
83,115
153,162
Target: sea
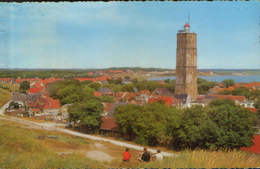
x,y
219,78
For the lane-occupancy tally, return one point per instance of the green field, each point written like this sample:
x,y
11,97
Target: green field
x,y
20,147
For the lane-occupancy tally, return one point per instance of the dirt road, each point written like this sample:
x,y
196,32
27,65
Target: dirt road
x,y
54,127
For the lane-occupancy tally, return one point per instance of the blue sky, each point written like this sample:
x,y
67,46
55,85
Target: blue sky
x,y
117,34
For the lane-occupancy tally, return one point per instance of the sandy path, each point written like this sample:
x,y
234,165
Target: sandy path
x,y
53,127
99,155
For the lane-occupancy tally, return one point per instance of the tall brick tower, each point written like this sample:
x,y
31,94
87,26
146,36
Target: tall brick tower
x,y
186,63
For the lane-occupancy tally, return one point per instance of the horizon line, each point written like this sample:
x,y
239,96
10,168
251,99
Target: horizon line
x,y
124,68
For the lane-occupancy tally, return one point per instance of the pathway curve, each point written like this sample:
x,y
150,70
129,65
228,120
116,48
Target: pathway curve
x,y
5,106
54,127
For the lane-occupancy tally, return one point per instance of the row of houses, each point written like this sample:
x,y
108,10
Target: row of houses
x,y
169,98
40,106
220,87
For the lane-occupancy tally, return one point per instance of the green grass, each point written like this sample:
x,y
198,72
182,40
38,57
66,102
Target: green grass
x,y
21,148
208,159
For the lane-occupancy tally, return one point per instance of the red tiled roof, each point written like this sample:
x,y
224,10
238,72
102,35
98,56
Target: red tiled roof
x,y
255,83
251,85
238,98
35,90
97,94
255,148
116,71
108,123
38,85
220,84
6,79
50,103
19,80
81,79
229,88
252,109
102,78
107,106
167,100
237,85
96,79
35,110
51,80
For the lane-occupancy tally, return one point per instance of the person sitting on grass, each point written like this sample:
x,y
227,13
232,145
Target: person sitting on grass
x,y
158,156
145,156
126,155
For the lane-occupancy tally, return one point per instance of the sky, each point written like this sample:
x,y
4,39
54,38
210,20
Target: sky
x,y
127,34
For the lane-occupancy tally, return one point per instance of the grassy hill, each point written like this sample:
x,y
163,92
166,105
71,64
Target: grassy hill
x,y
26,147
5,96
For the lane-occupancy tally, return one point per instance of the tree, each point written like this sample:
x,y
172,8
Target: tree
x,y
88,91
95,85
70,94
127,116
107,98
135,80
86,114
115,81
221,125
127,78
195,131
24,86
167,80
148,125
257,104
234,125
204,85
54,88
148,85
241,91
128,88
228,82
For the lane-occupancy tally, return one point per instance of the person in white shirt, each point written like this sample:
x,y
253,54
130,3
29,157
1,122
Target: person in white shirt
x,y
159,155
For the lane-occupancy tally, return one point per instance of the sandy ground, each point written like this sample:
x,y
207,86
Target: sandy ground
x,y
99,156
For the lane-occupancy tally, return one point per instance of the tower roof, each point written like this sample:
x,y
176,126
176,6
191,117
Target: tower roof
x,y
187,24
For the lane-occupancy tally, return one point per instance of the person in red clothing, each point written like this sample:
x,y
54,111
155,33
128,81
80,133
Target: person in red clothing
x,y
126,155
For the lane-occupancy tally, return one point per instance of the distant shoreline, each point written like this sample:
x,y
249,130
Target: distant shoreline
x,y
217,78
116,68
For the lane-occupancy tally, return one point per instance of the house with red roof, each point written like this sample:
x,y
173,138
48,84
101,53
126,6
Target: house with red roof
x,y
255,148
97,94
166,99
116,71
51,105
35,110
34,90
102,78
237,99
50,80
93,79
143,96
252,109
6,80
109,125
82,79
108,108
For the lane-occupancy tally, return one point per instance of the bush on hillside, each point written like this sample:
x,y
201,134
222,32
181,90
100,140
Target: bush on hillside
x,y
221,125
